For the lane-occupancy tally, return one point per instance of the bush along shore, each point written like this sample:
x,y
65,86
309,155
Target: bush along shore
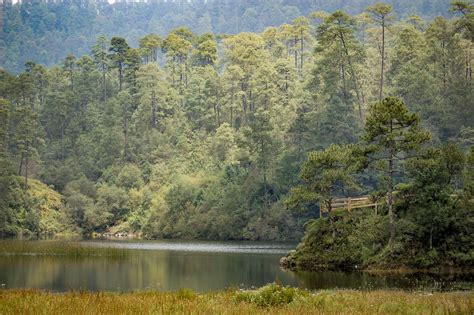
x,y
358,240
271,299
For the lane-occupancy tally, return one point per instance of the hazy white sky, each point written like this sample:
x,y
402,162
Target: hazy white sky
x,y
110,1
15,1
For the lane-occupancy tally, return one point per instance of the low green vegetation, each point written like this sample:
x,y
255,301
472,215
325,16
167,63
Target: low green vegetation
x,y
40,212
57,248
272,295
271,299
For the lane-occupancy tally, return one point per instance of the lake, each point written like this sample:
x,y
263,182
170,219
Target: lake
x,y
201,266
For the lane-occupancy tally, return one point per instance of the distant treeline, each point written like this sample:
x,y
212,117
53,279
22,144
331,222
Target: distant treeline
x,y
46,31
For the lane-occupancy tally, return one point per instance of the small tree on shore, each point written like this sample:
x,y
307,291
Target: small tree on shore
x,y
325,174
392,134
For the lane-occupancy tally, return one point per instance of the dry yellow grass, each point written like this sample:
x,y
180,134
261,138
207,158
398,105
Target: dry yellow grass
x,y
187,302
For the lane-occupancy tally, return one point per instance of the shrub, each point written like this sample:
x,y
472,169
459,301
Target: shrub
x,y
186,294
270,295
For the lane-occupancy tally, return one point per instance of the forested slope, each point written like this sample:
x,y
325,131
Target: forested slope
x,y
208,143
46,32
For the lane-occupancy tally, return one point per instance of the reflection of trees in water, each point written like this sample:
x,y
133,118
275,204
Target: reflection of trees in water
x,y
366,280
350,280
144,270
168,270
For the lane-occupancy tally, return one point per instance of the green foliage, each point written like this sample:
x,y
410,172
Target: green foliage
x,y
465,24
270,295
119,50
321,248
326,174
390,126
433,224
186,294
129,177
39,211
392,134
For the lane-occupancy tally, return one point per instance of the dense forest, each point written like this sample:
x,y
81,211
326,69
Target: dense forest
x,y
243,136
46,31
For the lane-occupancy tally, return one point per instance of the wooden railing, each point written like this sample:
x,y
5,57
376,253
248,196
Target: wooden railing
x,y
350,203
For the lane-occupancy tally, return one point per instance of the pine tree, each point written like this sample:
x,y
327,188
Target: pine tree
x,y
393,134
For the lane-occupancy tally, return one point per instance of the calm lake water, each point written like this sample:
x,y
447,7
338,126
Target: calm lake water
x,y
201,266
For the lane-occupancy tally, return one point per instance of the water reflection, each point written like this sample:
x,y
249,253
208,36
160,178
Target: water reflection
x,y
368,281
198,246
202,266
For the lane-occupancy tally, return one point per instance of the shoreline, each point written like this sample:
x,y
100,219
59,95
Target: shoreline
x,y
391,271
286,264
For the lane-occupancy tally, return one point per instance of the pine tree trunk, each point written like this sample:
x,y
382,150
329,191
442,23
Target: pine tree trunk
x,y
20,166
244,103
301,51
153,113
391,218
431,238
344,85
383,61
296,53
360,94
26,165
218,110
125,134
62,140
120,76
331,222
104,83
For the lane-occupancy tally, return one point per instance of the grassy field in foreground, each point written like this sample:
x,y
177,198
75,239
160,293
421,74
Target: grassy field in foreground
x,y
270,299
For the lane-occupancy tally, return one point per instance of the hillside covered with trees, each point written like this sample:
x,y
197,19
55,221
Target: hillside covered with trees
x,y
46,31
243,136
